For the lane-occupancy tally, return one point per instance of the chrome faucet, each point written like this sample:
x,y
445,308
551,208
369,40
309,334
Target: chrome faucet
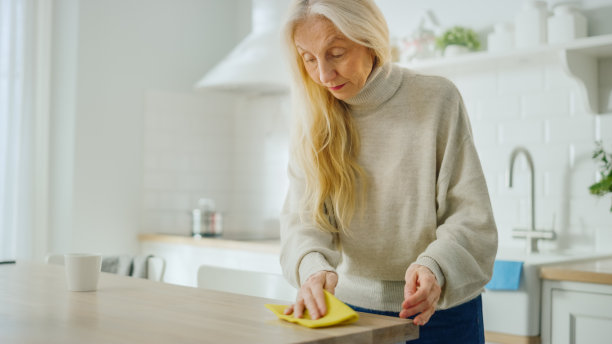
x,y
532,235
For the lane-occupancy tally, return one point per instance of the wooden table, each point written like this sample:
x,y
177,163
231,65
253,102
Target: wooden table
x,y
36,307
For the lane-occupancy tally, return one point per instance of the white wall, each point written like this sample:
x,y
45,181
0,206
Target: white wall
x,y
109,57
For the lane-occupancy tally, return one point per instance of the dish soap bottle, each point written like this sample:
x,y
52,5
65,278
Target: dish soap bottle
x,y
566,24
531,24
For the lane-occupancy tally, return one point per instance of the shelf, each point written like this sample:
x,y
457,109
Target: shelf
x,y
580,60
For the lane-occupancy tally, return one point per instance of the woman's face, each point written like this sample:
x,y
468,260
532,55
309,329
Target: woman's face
x,y
331,59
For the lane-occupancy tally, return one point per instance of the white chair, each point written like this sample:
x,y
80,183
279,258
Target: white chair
x,y
156,266
261,284
55,259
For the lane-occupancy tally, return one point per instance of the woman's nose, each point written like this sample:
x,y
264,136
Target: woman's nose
x,y
327,72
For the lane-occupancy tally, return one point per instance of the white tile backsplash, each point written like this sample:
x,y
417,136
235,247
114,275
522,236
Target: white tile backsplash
x,y
603,125
496,107
156,180
187,156
551,104
570,129
555,78
523,80
522,131
477,84
539,107
228,147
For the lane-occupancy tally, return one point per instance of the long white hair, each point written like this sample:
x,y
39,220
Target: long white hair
x,y
325,142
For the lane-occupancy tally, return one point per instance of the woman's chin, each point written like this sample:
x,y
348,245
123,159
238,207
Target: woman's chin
x,y
342,94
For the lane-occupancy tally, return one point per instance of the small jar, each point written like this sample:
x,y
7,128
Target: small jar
x,y
531,24
501,39
566,24
196,222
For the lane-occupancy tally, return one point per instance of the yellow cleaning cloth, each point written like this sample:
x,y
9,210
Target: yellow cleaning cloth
x,y
337,314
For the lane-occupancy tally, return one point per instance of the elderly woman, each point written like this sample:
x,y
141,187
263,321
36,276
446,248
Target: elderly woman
x,y
387,206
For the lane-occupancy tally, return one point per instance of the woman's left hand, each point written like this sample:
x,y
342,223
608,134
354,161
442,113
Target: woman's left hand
x,y
421,294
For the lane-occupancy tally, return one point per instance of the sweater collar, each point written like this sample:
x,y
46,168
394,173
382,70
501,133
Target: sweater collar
x,y
382,83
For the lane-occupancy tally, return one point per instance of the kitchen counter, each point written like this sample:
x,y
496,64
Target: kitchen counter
x,y
264,246
577,301
597,271
185,254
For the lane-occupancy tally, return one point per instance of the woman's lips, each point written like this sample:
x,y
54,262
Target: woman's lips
x,y
335,88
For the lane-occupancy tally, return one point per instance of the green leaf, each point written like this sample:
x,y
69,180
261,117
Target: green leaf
x,y
459,35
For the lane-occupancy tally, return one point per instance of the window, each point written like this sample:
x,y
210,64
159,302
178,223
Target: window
x,y
25,36
11,116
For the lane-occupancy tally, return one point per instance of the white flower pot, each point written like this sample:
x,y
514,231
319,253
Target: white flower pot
x,y
455,50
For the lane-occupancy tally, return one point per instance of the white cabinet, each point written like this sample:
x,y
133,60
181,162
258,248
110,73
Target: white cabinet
x,y
577,313
183,260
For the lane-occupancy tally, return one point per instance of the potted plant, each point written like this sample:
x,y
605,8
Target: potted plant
x,y
458,40
604,186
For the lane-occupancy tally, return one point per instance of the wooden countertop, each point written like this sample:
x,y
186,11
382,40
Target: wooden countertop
x,y
38,308
265,246
588,271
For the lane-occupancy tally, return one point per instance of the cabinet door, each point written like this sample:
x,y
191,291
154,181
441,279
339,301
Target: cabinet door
x,y
581,317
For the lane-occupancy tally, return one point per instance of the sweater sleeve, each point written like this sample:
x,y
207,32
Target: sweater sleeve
x,y
466,236
305,249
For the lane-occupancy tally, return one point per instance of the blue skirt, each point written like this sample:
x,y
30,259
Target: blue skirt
x,y
458,325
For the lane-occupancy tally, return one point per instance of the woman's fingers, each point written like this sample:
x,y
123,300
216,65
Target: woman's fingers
x,y
312,297
298,308
416,298
421,294
425,290
426,307
331,280
424,317
288,310
411,283
319,297
311,305
426,314
414,309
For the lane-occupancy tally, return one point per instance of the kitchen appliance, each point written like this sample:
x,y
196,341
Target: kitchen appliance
x,y
205,220
257,64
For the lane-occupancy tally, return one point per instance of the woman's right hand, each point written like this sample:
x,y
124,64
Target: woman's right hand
x,y
311,296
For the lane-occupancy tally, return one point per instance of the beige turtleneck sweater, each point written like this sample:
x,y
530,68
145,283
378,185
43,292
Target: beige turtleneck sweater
x,y
427,200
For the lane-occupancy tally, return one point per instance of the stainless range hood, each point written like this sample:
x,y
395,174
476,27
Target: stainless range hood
x,y
257,64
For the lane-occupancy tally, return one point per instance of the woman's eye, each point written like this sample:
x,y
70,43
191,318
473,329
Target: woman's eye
x,y
337,53
308,58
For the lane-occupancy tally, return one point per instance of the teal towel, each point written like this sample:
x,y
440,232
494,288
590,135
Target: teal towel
x,y
506,275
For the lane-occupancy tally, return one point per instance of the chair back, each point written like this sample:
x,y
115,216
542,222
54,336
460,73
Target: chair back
x,y
156,266
253,283
54,258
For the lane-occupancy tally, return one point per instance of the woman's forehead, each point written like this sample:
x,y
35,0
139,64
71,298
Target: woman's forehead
x,y
316,32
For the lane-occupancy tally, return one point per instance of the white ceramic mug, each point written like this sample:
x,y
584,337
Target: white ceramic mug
x,y
82,271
